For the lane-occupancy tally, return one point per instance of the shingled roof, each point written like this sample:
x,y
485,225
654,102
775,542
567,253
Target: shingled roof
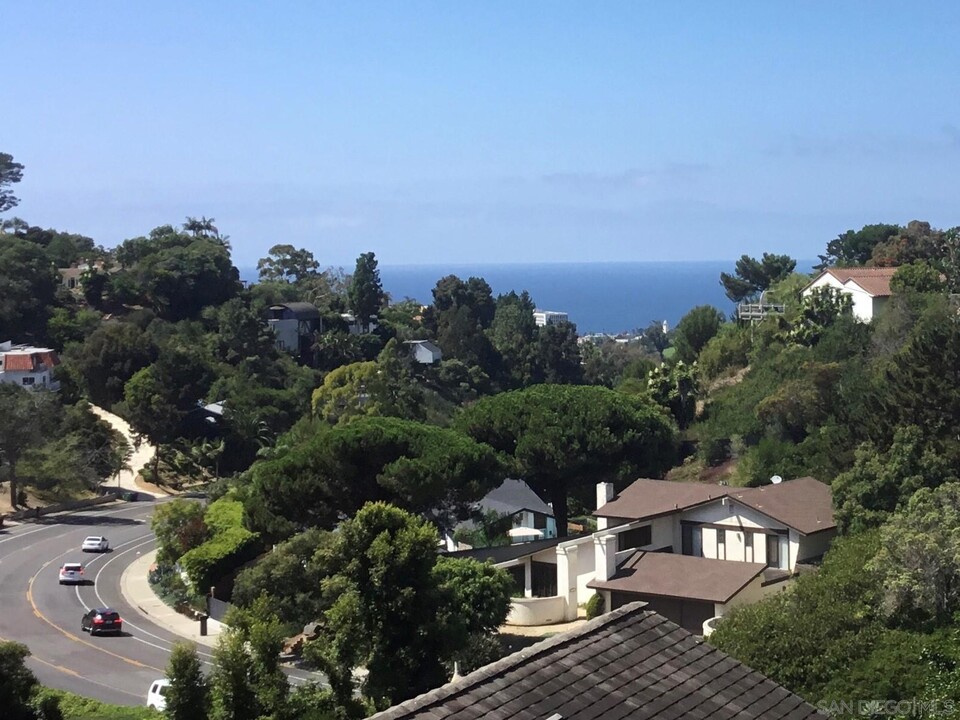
x,y
630,664
804,504
512,496
680,576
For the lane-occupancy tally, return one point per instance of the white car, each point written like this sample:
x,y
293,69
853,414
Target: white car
x,y
71,573
157,695
95,543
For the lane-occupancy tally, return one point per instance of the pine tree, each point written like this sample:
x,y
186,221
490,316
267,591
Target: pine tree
x,y
188,696
365,294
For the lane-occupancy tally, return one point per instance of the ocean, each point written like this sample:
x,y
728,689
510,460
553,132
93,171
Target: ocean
x,y
598,297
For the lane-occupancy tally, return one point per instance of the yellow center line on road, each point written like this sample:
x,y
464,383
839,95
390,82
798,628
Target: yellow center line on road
x,y
75,638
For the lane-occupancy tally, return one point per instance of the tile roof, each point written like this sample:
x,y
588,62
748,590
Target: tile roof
x,y
804,504
680,576
19,361
875,280
630,664
29,358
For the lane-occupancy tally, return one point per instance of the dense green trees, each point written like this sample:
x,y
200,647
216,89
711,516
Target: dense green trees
x,y
882,479
28,287
563,438
818,311
400,611
10,173
103,363
54,448
285,263
856,247
175,272
695,330
752,276
825,638
17,683
290,578
332,472
919,558
188,696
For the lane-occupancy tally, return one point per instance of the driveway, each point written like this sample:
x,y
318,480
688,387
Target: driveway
x,y
142,455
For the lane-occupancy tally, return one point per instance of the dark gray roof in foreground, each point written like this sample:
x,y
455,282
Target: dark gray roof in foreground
x,y
505,553
629,664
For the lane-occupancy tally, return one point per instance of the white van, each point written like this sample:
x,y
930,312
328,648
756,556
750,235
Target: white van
x,y
157,697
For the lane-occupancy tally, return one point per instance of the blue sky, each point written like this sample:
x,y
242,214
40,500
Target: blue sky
x,y
455,132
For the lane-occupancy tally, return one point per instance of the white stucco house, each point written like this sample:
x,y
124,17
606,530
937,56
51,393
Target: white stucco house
x,y
549,317
691,551
28,366
868,288
424,351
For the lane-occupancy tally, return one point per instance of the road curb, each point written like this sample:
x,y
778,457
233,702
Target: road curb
x,y
137,591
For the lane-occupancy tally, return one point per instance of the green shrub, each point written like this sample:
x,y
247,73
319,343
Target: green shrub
x,y
595,606
727,350
226,551
224,514
77,707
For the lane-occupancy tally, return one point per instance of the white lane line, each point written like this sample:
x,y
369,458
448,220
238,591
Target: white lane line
x,y
296,679
17,536
96,590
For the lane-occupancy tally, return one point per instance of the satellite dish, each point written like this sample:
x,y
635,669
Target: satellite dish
x,y
776,479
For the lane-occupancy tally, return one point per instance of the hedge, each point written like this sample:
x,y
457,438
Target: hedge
x,y
223,514
226,551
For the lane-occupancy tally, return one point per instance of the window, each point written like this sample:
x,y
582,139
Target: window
x,y
748,546
721,544
691,540
539,521
721,537
638,537
28,381
773,551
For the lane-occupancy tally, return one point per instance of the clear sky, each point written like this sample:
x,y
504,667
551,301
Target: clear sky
x,y
460,132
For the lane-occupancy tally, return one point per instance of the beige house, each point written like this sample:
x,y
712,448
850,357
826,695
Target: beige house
x,y
868,288
690,551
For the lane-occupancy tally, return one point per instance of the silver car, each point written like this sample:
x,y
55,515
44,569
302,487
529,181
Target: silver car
x,y
95,543
71,573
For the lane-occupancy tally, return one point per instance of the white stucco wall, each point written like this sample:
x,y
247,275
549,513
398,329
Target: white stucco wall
x,y
737,520
536,611
865,306
733,514
815,545
753,592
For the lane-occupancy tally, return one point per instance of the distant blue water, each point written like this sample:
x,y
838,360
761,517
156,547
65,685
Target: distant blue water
x,y
599,297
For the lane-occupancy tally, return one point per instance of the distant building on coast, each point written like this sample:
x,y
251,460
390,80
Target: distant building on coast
x,y
549,317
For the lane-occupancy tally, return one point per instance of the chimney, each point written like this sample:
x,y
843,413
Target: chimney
x,y
604,495
605,559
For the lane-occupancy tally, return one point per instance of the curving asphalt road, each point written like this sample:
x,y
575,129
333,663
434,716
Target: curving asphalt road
x,y
44,615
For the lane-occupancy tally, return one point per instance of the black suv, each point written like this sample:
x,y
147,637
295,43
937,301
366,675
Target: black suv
x,y
101,620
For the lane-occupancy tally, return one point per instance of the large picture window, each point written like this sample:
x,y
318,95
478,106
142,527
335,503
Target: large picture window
x,y
638,537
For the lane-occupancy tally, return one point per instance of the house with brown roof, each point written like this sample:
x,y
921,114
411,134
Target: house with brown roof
x,y
631,664
28,366
868,288
691,551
